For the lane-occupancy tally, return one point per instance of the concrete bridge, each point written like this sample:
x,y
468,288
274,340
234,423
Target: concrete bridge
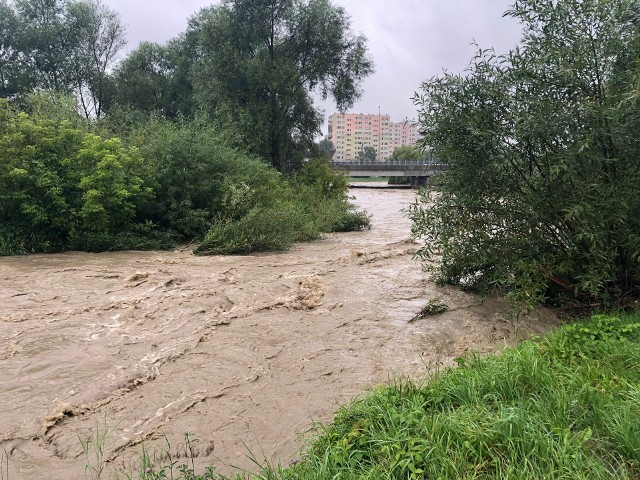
x,y
418,170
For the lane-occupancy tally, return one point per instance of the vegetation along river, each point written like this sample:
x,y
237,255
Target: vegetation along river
x,y
245,352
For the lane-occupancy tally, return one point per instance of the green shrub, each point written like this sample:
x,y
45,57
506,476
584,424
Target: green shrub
x,y
62,187
266,212
541,196
259,230
59,183
192,162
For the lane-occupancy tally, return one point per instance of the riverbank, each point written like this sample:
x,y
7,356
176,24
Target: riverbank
x,y
566,406
245,352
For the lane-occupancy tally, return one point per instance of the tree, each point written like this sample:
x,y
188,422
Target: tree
x,y
326,148
60,45
143,78
406,152
102,38
259,60
156,78
541,196
367,154
11,73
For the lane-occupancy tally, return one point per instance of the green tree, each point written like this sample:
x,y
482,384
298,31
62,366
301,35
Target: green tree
x,y
102,38
60,45
406,152
327,149
155,78
541,197
258,61
367,154
11,72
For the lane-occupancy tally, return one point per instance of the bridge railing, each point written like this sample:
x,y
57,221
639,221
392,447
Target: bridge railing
x,y
407,162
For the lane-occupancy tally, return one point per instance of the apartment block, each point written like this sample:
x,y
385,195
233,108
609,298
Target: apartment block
x,y
351,132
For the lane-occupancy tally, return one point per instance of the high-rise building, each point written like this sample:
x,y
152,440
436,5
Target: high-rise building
x,y
352,132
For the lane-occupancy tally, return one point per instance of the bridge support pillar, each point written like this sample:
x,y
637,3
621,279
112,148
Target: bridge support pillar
x,y
419,181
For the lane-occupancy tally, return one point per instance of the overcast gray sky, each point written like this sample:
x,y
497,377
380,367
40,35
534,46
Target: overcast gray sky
x,y
410,40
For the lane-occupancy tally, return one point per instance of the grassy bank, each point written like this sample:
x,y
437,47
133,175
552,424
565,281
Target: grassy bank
x,y
563,407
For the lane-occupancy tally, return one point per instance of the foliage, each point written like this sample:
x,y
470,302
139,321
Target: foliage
x,y
191,161
155,79
257,63
434,306
540,199
11,71
326,149
263,228
59,184
271,213
367,154
60,45
49,105
406,152
64,188
319,175
399,181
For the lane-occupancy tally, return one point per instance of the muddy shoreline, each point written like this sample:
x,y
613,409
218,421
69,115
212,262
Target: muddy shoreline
x,y
244,352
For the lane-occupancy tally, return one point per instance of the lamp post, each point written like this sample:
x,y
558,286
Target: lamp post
x,y
378,156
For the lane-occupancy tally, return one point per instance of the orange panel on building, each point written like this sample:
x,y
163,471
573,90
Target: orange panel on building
x,y
352,132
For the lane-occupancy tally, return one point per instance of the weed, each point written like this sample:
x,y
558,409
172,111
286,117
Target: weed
x,y
93,449
433,307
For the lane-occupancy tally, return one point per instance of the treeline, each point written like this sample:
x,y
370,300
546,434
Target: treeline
x,y
209,137
249,64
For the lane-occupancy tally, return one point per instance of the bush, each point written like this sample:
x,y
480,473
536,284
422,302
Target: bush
x,y
541,197
259,230
59,184
62,187
191,162
271,213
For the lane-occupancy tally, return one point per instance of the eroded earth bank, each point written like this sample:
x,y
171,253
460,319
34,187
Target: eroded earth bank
x,y
244,352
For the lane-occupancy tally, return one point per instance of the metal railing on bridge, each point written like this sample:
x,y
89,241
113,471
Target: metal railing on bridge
x,y
430,162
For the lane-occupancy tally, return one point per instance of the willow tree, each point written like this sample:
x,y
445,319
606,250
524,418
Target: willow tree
x,y
67,46
541,198
260,61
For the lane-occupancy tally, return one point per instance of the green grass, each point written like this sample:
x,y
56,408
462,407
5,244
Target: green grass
x,y
567,406
563,407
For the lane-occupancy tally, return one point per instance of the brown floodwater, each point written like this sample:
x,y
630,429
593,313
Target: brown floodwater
x,y
244,352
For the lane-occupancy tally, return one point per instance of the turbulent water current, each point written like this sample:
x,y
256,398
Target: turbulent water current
x,y
244,352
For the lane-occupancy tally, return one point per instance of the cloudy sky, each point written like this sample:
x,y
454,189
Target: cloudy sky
x,y
410,40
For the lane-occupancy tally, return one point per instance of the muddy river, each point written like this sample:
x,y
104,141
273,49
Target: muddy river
x,y
244,352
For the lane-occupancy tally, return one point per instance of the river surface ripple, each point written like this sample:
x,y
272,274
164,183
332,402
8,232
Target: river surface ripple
x,y
245,352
